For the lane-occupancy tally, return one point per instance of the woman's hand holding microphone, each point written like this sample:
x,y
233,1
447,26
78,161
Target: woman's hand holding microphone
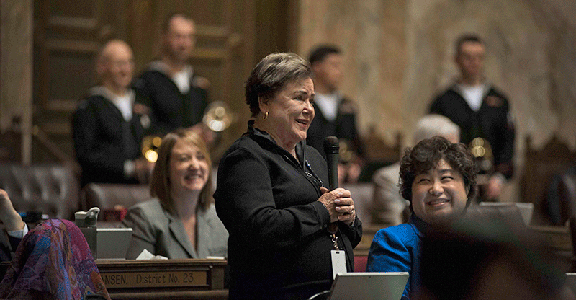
x,y
340,205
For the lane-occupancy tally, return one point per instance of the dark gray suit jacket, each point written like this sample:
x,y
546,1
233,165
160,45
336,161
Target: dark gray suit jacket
x,y
162,233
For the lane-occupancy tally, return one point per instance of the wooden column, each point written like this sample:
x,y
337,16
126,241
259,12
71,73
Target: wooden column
x,y
16,68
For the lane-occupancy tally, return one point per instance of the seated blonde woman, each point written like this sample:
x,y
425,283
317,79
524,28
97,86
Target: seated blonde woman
x,y
181,221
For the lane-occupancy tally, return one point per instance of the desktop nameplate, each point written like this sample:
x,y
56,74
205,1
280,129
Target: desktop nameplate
x,y
164,279
161,279
203,274
156,279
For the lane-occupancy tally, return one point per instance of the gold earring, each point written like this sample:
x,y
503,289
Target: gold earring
x,y
265,115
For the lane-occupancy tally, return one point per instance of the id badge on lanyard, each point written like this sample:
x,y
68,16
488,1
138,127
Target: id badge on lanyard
x,y
338,258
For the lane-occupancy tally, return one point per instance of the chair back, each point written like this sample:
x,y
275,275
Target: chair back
x,y
379,153
360,263
51,189
108,196
567,191
539,169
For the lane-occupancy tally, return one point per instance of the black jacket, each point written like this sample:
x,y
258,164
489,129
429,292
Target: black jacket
x,y
491,122
170,109
343,127
279,246
104,140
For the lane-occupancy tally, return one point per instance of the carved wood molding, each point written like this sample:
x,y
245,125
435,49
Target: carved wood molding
x,y
72,23
71,45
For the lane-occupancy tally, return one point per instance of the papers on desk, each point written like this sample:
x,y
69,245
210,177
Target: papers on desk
x,y
146,255
216,257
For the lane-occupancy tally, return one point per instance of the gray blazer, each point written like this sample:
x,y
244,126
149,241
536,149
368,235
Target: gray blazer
x,y
162,233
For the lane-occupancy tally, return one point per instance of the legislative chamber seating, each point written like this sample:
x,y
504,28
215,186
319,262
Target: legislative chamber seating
x,y
50,189
547,182
540,167
379,153
108,196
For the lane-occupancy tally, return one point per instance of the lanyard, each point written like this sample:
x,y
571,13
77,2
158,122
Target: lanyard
x,y
333,230
334,241
313,174
333,227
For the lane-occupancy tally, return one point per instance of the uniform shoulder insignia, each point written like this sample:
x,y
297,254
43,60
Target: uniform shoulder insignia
x,y
347,107
494,101
201,82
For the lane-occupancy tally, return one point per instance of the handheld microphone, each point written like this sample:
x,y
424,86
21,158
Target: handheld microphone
x,y
331,149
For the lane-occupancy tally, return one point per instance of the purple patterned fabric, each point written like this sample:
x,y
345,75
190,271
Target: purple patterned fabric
x,y
53,261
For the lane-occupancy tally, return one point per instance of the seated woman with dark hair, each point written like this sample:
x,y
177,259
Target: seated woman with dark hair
x,y
439,179
181,222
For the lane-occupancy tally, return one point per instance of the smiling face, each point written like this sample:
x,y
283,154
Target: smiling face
x,y
290,113
188,168
439,194
121,68
116,66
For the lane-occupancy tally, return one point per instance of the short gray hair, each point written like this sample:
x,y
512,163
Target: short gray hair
x,y
434,125
271,74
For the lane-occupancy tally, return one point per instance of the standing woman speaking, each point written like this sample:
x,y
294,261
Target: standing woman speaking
x,y
271,195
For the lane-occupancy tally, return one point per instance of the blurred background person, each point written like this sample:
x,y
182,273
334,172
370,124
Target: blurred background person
x,y
170,89
439,179
181,222
107,128
483,114
12,225
335,114
490,256
387,204
271,194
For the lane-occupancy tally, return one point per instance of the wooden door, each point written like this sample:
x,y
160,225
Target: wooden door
x,y
67,35
231,37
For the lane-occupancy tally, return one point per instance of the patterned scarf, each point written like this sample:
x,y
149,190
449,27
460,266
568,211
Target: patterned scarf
x,y
53,261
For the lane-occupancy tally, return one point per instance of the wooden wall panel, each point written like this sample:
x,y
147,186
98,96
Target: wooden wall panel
x,y
231,37
65,44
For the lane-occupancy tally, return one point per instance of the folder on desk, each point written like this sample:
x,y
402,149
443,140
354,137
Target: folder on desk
x,y
108,243
369,286
112,243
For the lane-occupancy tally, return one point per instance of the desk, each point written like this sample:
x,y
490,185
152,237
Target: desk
x,y
557,237
161,279
164,279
